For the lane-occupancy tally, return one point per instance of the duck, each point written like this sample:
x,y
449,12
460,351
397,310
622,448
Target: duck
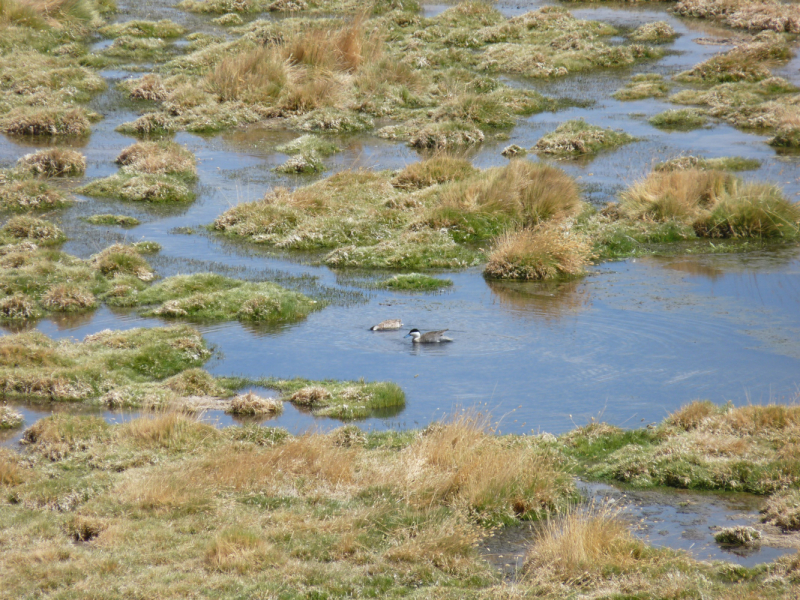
x,y
387,325
431,337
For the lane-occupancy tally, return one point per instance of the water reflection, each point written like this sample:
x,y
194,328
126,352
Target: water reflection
x,y
546,300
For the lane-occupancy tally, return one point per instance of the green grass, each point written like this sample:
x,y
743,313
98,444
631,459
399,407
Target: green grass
x,y
724,163
575,138
415,282
648,85
210,297
136,187
684,119
23,194
147,29
117,220
345,400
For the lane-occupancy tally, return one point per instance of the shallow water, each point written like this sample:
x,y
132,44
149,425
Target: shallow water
x,y
631,342
677,519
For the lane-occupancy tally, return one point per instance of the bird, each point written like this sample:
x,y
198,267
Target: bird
x,y
431,337
387,325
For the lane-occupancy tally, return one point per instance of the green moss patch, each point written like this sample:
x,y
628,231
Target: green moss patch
x,y
575,138
415,282
146,29
346,400
684,119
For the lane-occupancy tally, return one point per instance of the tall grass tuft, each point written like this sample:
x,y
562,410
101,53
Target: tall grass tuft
x,y
543,252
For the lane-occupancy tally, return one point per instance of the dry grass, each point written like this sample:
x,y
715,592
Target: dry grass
x,y
158,158
252,404
9,419
30,228
119,259
544,252
240,550
45,121
68,297
440,168
54,162
690,416
580,547
575,138
783,509
744,14
30,194
682,195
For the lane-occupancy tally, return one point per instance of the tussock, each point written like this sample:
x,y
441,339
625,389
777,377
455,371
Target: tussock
x,y
54,162
544,252
158,158
30,228
252,404
578,137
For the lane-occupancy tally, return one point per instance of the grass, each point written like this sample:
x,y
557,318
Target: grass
x,y
783,508
140,187
684,119
724,163
645,85
544,252
715,203
54,162
701,446
66,121
36,367
29,228
437,169
415,282
250,404
29,194
743,14
576,138
345,400
116,220
145,29
158,158
210,297
9,419
656,32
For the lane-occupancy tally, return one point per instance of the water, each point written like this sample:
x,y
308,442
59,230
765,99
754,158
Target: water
x,y
629,343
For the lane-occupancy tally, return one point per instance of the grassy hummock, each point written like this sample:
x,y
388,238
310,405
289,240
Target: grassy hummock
x,y
414,282
575,138
140,187
684,119
25,194
345,400
53,162
701,446
724,163
10,418
146,29
751,15
211,297
33,366
118,220
657,32
643,85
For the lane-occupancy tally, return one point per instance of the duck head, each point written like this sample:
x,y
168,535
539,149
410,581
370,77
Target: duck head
x,y
413,334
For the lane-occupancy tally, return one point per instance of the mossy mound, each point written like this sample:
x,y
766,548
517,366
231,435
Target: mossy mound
x,y
345,400
140,187
576,138
415,282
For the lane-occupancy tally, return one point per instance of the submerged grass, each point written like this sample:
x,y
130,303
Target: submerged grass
x,y
415,282
647,85
684,119
724,163
118,220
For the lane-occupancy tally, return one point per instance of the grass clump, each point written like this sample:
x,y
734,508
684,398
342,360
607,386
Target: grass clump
x,y
656,32
647,85
437,169
144,29
739,535
251,404
119,260
228,20
54,162
158,158
69,297
724,163
9,419
575,138
783,510
415,282
29,194
210,297
702,446
301,164
29,228
118,220
140,187
744,14
715,203
345,400
35,367
684,119
543,252
66,121
309,144
787,134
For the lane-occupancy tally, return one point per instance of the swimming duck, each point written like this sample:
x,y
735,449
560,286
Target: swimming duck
x,y
387,325
431,337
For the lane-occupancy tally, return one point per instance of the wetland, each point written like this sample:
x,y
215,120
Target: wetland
x,y
205,207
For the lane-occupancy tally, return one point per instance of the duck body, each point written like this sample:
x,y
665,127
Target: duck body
x,y
387,325
431,337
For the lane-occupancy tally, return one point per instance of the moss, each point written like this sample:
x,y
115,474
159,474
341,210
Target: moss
x,y
209,297
725,163
649,85
309,144
578,137
145,29
415,282
118,220
37,367
135,187
345,400
685,119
